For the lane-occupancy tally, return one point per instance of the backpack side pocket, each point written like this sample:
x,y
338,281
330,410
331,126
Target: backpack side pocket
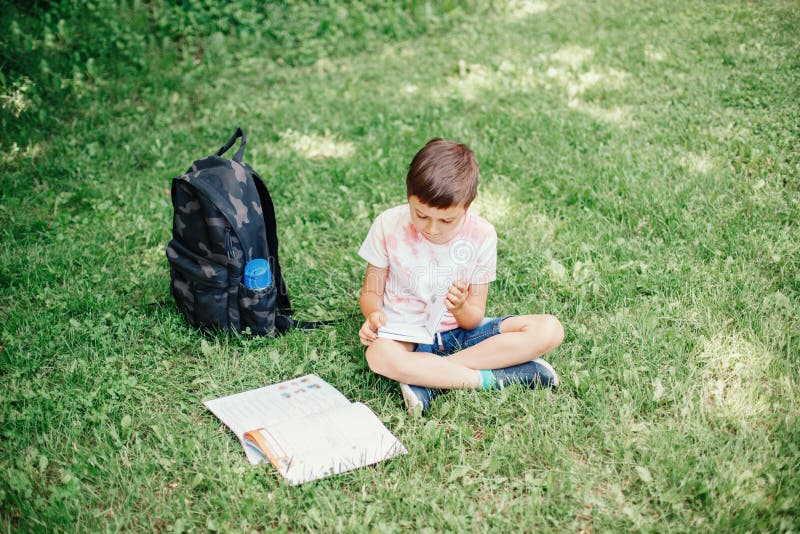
x,y
257,309
200,287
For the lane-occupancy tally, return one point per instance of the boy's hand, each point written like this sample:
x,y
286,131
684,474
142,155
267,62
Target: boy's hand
x,y
369,330
456,296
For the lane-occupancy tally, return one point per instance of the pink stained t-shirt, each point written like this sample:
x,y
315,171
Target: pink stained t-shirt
x,y
419,269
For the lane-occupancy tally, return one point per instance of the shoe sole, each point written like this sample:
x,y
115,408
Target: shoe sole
x,y
549,367
414,406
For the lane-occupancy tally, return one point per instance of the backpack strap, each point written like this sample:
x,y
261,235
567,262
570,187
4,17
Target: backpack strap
x,y
239,153
284,323
268,209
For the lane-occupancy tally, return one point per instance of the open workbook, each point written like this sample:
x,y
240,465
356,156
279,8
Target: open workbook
x,y
422,334
306,428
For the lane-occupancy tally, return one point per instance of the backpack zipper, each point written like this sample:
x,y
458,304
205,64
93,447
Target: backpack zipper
x,y
228,243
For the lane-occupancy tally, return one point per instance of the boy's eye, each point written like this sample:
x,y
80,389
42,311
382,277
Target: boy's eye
x,y
421,216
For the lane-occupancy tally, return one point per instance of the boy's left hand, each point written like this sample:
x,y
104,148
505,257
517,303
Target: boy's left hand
x,y
456,295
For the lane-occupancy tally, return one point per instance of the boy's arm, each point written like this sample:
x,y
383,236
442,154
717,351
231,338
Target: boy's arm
x,y
372,290
371,303
467,304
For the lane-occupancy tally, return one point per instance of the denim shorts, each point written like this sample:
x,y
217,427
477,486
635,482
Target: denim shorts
x,y
446,343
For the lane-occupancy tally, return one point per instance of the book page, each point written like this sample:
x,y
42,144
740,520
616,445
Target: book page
x,y
268,406
434,313
328,443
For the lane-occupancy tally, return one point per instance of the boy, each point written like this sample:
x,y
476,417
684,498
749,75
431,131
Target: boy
x,y
434,246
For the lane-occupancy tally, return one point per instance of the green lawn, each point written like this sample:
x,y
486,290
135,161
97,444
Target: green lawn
x,y
640,161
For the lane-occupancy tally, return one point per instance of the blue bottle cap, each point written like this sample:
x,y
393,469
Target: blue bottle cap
x,y
257,274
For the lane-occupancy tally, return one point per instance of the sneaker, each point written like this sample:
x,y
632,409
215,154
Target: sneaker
x,y
417,398
533,374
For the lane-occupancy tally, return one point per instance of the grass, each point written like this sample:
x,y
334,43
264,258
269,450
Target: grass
x,y
639,161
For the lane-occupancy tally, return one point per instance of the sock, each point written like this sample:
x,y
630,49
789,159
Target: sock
x,y
488,380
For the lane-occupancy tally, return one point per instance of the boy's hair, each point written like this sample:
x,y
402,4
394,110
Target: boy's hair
x,y
443,174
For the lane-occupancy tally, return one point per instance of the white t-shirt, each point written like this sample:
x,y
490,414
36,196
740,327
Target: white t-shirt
x,y
419,269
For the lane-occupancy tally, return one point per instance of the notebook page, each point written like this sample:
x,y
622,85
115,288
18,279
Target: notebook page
x,y
270,405
331,442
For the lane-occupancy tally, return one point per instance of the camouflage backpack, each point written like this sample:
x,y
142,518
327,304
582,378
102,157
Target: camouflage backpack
x,y
224,217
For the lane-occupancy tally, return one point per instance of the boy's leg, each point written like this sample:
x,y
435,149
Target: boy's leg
x,y
521,339
396,360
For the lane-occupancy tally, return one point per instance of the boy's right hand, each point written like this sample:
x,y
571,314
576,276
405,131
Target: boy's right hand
x,y
369,330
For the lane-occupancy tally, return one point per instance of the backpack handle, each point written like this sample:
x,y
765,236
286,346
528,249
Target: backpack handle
x,y
239,153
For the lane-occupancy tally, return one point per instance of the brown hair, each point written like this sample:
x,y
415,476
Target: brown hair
x,y
443,174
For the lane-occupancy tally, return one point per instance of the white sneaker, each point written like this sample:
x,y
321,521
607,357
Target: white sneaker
x,y
417,398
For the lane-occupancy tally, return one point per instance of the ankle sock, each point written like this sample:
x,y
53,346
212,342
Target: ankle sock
x,y
488,380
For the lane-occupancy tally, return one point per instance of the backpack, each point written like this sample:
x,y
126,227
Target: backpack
x,y
223,217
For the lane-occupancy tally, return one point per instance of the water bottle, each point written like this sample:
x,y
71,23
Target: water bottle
x,y
257,274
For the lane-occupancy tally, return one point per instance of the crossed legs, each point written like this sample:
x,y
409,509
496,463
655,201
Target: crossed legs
x,y
522,338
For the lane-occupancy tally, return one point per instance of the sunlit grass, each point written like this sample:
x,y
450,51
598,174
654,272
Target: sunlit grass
x,y
734,378
521,9
315,146
639,162
697,163
571,56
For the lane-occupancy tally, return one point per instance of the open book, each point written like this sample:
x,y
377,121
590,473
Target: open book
x,y
306,428
422,334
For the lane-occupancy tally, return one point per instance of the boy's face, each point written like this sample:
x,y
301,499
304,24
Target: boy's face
x,y
437,225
